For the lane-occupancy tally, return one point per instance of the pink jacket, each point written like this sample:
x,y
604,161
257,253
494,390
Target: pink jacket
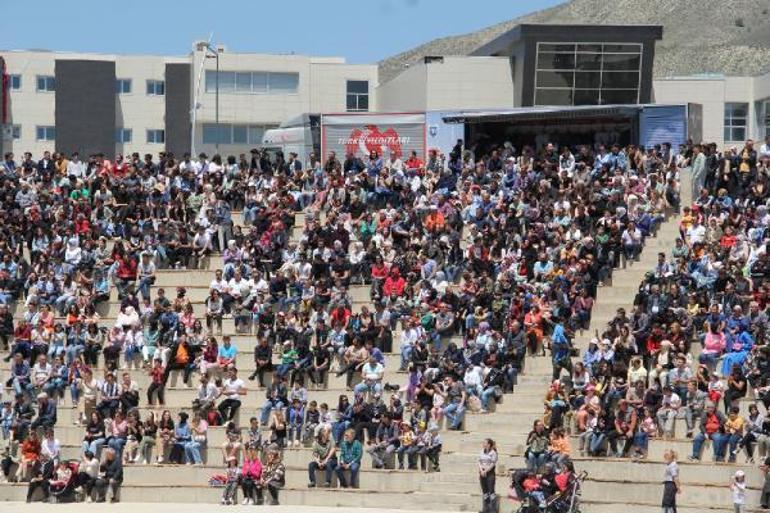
x,y
714,343
252,469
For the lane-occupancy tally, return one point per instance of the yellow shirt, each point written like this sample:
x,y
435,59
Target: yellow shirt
x,y
735,425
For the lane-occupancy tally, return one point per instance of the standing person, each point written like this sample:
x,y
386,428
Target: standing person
x,y
738,487
487,464
764,500
671,486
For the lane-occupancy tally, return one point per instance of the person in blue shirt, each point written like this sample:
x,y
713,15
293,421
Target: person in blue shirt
x,y
226,353
350,459
560,348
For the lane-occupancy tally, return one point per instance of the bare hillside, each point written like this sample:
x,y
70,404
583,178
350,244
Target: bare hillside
x,y
699,36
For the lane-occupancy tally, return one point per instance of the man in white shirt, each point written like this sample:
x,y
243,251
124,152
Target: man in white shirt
x,y
232,388
696,232
207,394
669,408
371,374
632,241
409,338
41,372
76,167
50,448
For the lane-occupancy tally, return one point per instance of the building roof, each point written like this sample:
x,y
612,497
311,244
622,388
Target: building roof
x,y
586,33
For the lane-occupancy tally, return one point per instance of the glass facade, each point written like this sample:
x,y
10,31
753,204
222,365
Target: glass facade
x,y
252,82
587,73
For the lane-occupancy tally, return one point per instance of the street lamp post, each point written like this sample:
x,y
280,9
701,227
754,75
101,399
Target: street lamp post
x,y
215,55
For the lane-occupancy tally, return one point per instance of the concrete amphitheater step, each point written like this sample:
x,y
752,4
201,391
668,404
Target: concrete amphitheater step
x,y
301,496
628,278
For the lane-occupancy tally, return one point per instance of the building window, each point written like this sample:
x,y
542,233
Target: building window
x,y
156,136
46,83
233,134
14,82
15,132
156,88
736,115
587,73
765,119
357,96
46,133
123,86
252,82
123,135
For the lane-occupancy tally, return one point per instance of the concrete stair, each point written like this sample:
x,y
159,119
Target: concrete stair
x,y
627,278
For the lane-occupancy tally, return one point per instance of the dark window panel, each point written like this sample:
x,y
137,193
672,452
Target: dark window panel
x,y
553,97
555,78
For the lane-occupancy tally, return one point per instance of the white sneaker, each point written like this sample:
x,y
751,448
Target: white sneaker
x,y
296,444
251,502
245,502
223,502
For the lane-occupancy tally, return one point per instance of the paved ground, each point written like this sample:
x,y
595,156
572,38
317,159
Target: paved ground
x,y
40,507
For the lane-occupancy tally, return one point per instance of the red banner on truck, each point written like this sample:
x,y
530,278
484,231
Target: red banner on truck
x,y
363,133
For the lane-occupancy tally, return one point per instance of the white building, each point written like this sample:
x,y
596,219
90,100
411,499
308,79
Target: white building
x,y
122,104
734,108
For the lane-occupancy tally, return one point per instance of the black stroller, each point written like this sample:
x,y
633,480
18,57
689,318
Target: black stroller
x,y
564,499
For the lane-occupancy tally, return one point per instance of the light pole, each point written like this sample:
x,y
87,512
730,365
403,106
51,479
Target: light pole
x,y
209,51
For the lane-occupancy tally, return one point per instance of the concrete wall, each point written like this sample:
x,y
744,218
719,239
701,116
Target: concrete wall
x,y
137,110
469,83
407,92
713,92
329,85
29,108
455,83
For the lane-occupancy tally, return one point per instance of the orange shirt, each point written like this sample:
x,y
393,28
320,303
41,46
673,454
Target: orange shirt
x,y
182,355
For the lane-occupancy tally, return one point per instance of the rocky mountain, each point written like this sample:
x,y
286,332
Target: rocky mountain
x,y
699,36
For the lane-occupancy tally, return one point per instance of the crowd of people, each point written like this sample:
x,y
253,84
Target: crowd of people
x,y
501,248
694,348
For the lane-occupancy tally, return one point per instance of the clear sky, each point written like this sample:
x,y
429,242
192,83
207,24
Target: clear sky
x,y
362,31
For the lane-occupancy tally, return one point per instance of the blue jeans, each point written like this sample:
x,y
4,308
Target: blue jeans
x,y
192,452
73,352
95,446
535,461
595,443
485,395
313,467
454,414
353,474
269,406
718,440
406,355
364,387
117,444
22,387
144,287
641,440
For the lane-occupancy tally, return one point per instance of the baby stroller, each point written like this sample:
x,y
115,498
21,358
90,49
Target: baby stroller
x,y
66,491
566,501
